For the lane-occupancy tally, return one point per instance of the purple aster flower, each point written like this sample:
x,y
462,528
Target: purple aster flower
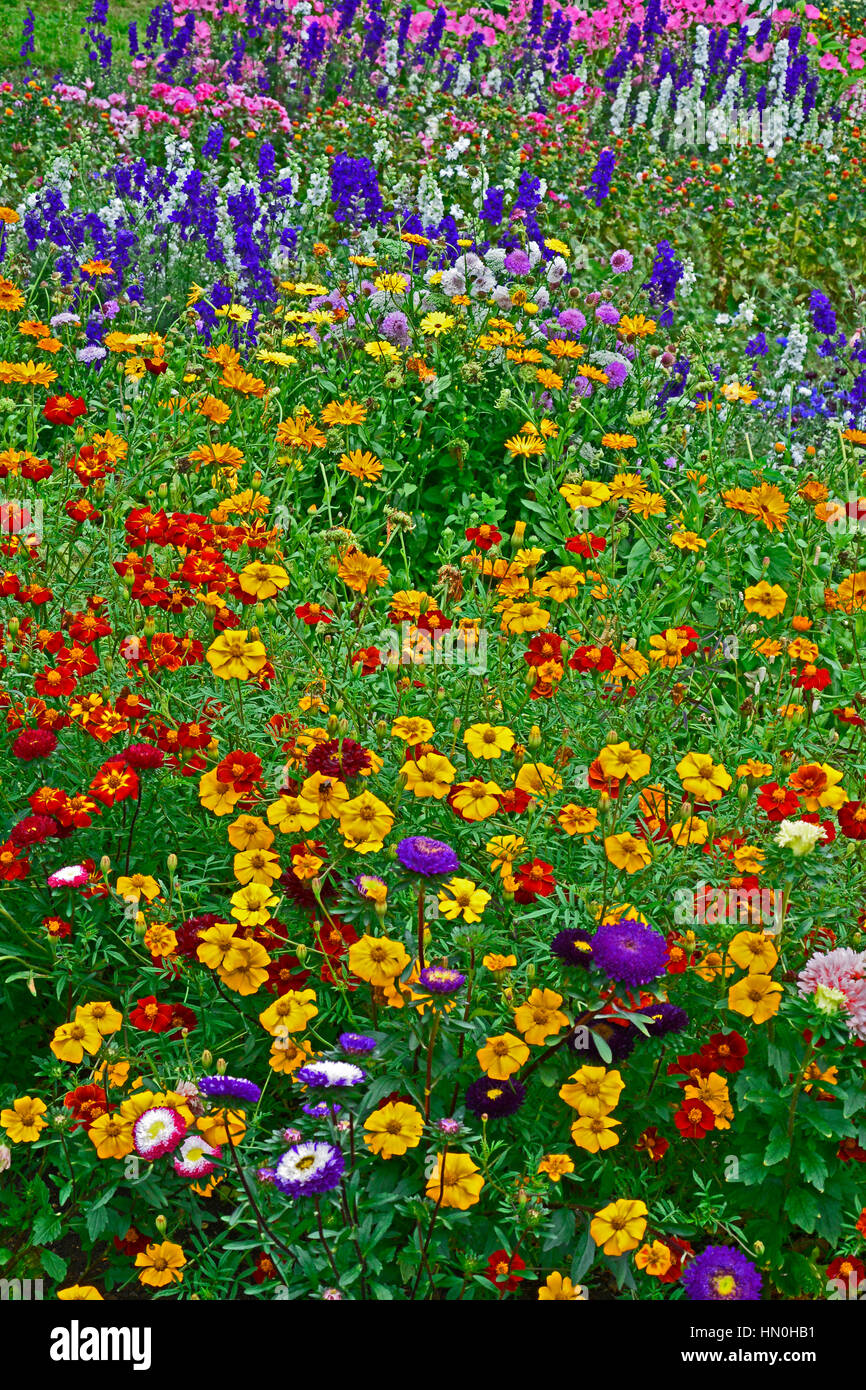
x,y
426,857
582,386
607,313
441,981
665,1018
229,1088
629,951
495,1098
721,1273
330,1074
292,1135
620,1039
266,1175
517,262
573,946
321,1110
307,1170
356,1044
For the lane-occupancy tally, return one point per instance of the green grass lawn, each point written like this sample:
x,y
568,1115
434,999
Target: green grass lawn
x,y
58,42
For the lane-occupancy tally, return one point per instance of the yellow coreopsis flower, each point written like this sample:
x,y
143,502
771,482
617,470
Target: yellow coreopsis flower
x,y
232,657
377,959
540,1017
457,1182
364,822
23,1120
393,1129
501,1056
619,1226
488,740
161,1264
756,997
627,852
754,951
460,897
593,1090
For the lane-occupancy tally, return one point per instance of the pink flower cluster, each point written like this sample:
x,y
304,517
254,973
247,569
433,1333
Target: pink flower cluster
x,y
842,971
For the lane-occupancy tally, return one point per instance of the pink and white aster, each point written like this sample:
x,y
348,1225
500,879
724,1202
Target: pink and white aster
x,y
194,1158
158,1131
73,876
836,980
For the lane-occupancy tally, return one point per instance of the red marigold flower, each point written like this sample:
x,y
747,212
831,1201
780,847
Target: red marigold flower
x,y
240,770
485,537
133,1243
503,1271
265,1268
694,1119
13,864
811,677
849,1269
587,545
87,1103
335,758
543,647
370,659
152,1017
829,829
592,659
861,1223
313,613
534,880
850,1151
654,1145
727,1051
778,802
63,410
513,801
115,781
57,927
34,743
852,820
681,1250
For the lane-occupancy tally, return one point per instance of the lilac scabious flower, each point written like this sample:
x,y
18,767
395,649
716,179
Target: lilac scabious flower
x,y
421,855
495,1098
330,1074
517,262
629,951
91,354
307,1170
607,313
721,1273
616,373
230,1088
441,981
582,386
356,1044
572,320
621,262
395,327
573,946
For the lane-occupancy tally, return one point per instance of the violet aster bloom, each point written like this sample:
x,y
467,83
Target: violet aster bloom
x,y
721,1273
620,262
421,855
573,946
629,951
665,1018
321,1110
229,1088
441,981
307,1170
330,1074
495,1098
356,1044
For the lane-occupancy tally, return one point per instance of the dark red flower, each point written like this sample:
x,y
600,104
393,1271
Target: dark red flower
x,y
63,410
152,1017
34,743
778,802
485,536
87,1103
503,1271
852,820
694,1119
535,879
587,545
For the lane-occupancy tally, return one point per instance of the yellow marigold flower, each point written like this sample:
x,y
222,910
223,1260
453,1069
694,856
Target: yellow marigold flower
x,y
502,1055
627,852
593,1090
23,1120
214,795
540,1017
245,967
293,813
476,799
217,1126
767,600
585,494
79,1293
104,1015
137,886
756,997
555,1166
621,760
250,904
505,850
687,540
412,729
327,794
753,951
704,779
111,1135
377,959
497,963
594,1133
393,1129
457,1182
558,1288
578,820
667,648
691,831
287,1055
755,769
364,823
289,1013
215,943
256,866
160,940
488,740
72,1040
261,580
619,1226
460,897
539,779
524,616
232,657
430,775
655,1259
161,1264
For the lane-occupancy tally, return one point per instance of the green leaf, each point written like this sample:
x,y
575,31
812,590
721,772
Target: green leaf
x,y
96,1221
813,1167
803,1207
778,1147
54,1265
46,1228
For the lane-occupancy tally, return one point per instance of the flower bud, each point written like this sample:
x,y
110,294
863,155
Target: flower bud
x,y
221,1066
171,862
105,864
207,1059
160,1223
534,740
